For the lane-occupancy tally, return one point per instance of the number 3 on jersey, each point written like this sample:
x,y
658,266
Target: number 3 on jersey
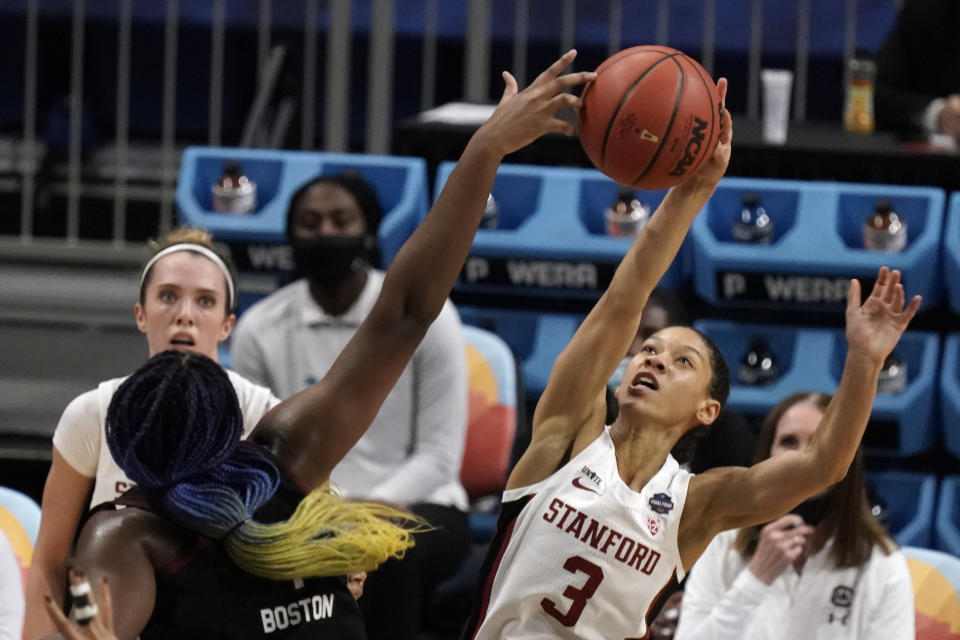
x,y
577,595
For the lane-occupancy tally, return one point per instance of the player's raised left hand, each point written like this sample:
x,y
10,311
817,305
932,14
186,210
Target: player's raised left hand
x,y
875,327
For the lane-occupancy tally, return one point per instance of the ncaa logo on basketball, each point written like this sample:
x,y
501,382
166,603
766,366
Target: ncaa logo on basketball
x,y
661,503
647,120
692,150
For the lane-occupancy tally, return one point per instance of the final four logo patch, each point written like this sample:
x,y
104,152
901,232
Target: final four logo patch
x,y
661,503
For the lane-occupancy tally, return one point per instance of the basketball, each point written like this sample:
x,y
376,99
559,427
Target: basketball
x,y
651,118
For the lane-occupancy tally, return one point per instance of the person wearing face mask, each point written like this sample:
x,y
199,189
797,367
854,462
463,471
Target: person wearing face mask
x,y
825,570
412,453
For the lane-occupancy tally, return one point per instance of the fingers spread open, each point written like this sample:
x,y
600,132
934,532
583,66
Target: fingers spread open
x,y
554,69
907,315
881,282
890,289
564,100
571,80
899,297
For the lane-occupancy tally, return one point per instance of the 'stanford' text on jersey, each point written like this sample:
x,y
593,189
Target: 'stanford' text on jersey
x,y
580,554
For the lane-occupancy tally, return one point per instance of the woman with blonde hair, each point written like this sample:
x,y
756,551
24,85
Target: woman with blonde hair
x,y
187,302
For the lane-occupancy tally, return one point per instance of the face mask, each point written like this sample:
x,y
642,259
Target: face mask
x,y
813,509
330,260
617,376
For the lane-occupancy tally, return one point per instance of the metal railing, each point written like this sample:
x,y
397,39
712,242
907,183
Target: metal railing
x,y
127,170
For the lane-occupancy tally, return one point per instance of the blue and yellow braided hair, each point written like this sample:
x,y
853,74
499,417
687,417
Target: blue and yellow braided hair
x,y
174,427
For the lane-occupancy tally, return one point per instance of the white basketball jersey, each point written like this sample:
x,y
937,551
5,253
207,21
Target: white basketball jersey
x,y
580,554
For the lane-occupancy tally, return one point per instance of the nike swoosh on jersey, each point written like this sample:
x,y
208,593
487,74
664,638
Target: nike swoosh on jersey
x,y
579,485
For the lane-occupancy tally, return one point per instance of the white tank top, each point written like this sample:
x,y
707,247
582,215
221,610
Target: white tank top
x,y
580,554
82,441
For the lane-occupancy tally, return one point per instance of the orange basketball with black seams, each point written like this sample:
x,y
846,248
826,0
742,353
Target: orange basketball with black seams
x,y
651,118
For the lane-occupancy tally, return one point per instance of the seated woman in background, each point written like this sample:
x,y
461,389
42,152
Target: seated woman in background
x,y
188,298
410,456
827,569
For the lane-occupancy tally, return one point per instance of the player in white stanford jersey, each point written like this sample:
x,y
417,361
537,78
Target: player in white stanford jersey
x,y
602,551
596,521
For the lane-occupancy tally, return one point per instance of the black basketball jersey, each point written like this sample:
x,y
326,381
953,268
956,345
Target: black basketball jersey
x,y
203,594
208,596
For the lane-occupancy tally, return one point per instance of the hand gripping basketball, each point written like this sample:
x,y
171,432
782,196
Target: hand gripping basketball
x,y
651,118
523,116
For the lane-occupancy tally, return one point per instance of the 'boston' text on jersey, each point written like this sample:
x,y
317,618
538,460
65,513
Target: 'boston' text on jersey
x,y
304,610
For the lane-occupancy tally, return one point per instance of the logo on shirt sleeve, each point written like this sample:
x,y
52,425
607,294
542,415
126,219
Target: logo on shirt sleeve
x,y
661,503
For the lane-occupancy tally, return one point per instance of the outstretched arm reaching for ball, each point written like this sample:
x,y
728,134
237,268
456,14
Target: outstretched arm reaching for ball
x,y
571,408
735,497
311,431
